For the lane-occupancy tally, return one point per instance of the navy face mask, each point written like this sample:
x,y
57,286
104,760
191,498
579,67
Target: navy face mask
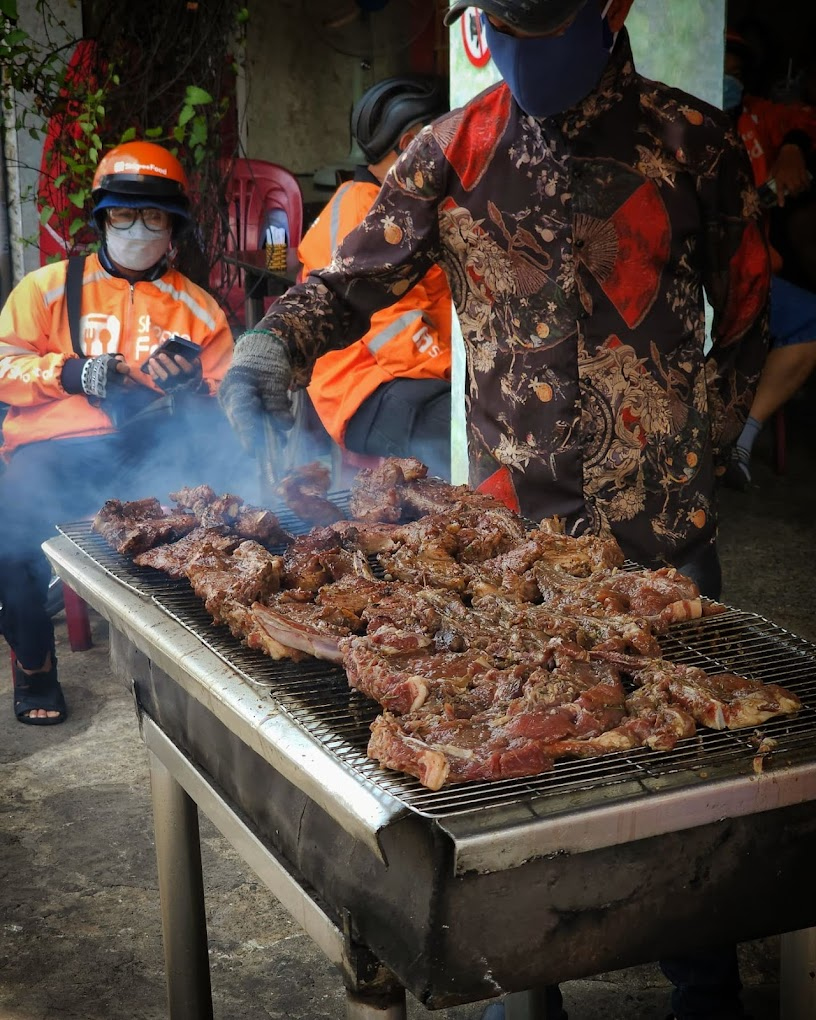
x,y
550,74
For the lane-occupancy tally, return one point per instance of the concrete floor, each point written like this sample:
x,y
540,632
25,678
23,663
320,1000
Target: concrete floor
x,y
80,928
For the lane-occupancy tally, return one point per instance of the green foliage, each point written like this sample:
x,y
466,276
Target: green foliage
x,y
150,75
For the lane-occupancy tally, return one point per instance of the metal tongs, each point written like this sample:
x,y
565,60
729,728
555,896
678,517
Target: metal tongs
x,y
271,460
282,447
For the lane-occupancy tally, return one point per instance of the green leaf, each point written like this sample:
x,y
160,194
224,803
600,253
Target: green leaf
x,y
187,114
76,226
8,8
46,213
198,132
196,96
154,132
129,134
77,198
178,133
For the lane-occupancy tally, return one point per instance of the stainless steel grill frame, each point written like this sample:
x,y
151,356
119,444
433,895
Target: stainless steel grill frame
x,y
485,888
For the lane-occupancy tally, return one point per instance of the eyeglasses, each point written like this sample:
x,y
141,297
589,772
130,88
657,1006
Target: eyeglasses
x,y
120,218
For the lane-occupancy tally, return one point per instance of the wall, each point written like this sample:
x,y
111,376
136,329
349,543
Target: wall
x,y
300,88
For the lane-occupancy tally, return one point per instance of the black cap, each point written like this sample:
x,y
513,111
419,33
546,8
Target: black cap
x,y
528,15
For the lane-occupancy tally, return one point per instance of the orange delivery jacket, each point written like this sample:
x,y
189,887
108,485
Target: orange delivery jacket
x,y
117,317
411,339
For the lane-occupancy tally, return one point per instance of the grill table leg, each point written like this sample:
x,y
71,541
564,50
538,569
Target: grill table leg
x,y
181,889
360,1007
797,974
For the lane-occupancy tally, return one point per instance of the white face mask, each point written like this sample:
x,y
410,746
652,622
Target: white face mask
x,y
137,248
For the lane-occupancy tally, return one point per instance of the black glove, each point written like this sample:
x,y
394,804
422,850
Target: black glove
x,y
92,376
257,383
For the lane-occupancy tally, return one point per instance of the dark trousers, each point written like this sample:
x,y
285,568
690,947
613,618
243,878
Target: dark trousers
x,y
64,480
707,984
406,418
705,570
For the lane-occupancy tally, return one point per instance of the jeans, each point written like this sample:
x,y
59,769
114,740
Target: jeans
x,y
62,480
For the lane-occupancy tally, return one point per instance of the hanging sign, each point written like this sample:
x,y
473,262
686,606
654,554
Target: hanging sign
x,y
473,36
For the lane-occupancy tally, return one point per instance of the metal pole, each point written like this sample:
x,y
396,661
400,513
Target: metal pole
x,y
6,274
181,888
797,975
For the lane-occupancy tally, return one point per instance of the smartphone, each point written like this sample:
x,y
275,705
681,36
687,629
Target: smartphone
x,y
176,345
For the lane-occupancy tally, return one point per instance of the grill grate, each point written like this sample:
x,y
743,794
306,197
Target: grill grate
x,y
316,696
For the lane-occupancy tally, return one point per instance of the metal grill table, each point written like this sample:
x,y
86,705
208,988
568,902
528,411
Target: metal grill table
x,y
471,891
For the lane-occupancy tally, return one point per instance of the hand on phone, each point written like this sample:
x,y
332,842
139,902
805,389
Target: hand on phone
x,y
175,363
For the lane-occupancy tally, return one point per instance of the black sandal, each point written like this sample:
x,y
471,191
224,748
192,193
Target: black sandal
x,y
38,690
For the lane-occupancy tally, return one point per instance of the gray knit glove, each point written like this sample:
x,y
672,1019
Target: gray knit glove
x,y
257,383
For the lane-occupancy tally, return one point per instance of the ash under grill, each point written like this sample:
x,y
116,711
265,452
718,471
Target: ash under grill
x,y
316,696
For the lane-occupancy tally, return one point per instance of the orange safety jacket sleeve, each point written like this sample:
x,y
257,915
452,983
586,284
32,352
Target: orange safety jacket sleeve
x,y
410,339
765,125
117,317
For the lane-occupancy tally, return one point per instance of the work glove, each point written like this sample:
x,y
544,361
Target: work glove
x,y
95,377
257,384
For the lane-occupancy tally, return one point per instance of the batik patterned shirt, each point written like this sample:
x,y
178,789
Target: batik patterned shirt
x,y
579,250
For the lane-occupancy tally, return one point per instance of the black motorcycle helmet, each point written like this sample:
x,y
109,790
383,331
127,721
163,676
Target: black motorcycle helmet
x,y
527,15
390,107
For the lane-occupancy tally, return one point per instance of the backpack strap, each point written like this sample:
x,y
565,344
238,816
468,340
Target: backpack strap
x,y
73,298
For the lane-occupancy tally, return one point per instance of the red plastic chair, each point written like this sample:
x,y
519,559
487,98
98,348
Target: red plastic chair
x,y
255,186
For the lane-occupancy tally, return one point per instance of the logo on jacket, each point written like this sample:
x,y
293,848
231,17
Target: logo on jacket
x,y
100,334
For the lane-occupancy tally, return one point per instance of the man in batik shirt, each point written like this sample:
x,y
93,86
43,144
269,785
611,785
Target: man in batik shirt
x,y
580,212
577,245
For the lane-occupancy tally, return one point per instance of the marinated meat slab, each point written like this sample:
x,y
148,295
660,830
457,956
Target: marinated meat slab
x,y
230,512
304,492
245,575
494,647
173,558
399,489
135,526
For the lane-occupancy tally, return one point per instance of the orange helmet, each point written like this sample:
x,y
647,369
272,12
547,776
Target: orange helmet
x,y
140,174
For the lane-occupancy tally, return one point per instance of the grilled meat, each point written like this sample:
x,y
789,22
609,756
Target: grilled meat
x,y
173,558
494,648
230,512
304,492
133,527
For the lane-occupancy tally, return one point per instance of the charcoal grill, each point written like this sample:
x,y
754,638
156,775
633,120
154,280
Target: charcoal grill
x,y
471,891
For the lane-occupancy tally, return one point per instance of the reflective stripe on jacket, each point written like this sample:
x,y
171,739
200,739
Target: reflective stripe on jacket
x,y
411,339
117,318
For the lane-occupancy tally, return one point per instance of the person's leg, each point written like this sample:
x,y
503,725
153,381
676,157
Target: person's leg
x,y
706,985
43,484
552,1000
787,367
405,418
704,568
